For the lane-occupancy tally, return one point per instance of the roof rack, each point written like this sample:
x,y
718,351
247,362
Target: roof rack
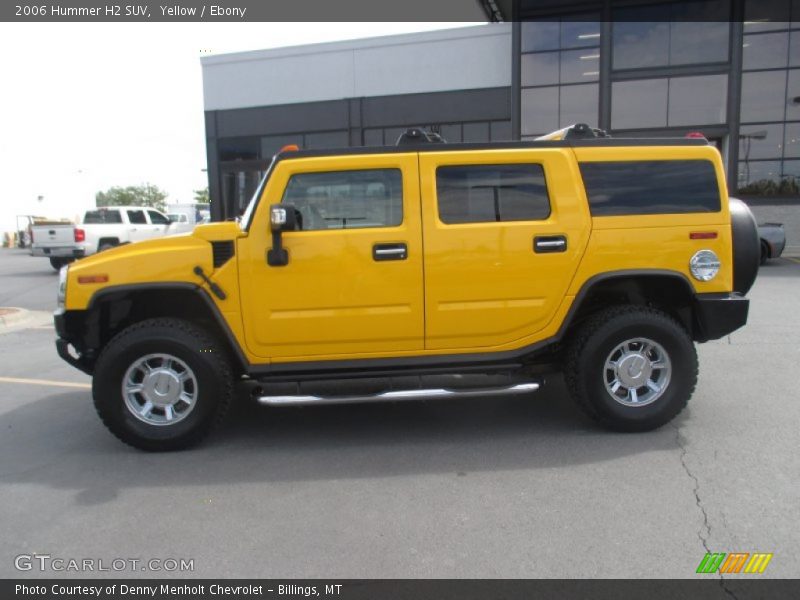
x,y
415,136
578,131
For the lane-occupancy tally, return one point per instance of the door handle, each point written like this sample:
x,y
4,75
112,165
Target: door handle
x,y
396,251
547,244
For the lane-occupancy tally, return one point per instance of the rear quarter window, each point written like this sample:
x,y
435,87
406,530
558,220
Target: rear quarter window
x,y
93,217
651,187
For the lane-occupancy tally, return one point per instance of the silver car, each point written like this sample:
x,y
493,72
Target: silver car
x,y
773,240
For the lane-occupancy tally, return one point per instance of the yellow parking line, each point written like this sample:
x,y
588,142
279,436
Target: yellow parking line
x,y
83,386
794,260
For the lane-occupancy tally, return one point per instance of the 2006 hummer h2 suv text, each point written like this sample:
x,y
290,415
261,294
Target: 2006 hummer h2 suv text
x,y
424,270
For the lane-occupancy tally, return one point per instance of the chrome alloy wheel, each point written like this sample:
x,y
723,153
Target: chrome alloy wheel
x,y
637,372
159,389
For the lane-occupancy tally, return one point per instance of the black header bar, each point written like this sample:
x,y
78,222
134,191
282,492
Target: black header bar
x,y
703,586
240,11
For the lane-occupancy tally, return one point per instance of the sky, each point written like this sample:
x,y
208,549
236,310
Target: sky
x,y
87,106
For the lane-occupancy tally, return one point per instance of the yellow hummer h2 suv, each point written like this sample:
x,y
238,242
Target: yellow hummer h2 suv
x,y
419,271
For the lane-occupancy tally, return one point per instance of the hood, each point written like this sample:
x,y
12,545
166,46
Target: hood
x,y
170,259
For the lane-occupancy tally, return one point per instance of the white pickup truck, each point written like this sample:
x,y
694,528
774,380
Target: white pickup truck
x,y
101,228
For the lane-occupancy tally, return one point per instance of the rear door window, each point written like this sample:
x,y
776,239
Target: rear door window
x,y
487,193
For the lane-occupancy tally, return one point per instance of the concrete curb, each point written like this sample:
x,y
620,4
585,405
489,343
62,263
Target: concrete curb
x,y
17,316
791,252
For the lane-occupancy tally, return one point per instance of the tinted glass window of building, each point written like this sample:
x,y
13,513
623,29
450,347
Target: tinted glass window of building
x,y
539,110
578,104
650,187
794,49
238,148
763,96
761,141
672,34
770,105
669,102
765,51
347,199
560,66
791,143
475,131
639,104
768,15
546,109
487,193
697,100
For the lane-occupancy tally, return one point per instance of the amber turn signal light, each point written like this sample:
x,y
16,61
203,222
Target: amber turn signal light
x,y
92,278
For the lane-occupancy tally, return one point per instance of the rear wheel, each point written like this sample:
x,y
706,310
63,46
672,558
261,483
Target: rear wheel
x,y
631,368
162,384
58,262
764,252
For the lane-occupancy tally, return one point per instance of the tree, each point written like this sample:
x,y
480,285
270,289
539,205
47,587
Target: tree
x,y
201,196
133,195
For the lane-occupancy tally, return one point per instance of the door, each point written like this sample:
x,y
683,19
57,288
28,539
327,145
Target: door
x,y
504,232
353,285
139,229
159,223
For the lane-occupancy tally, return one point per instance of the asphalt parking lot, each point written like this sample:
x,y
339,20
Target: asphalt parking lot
x,y
520,487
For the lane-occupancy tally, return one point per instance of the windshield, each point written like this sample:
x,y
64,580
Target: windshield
x,y
247,216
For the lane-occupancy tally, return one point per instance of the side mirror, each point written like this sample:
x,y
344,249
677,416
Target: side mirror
x,y
281,218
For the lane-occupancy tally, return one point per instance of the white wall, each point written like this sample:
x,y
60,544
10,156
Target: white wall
x,y
451,59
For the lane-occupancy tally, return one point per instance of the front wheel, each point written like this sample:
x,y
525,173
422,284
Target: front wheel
x,y
162,384
631,368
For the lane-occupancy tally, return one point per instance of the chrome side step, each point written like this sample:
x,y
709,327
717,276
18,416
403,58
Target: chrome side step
x,y
399,395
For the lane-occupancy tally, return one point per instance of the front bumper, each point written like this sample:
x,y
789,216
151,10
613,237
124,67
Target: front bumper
x,y
777,248
717,315
63,344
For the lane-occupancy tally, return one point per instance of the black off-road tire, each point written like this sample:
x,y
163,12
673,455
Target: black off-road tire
x,y
587,352
58,262
203,354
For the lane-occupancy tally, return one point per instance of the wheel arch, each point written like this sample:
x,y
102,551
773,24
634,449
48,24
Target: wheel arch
x,y
113,240
113,309
669,291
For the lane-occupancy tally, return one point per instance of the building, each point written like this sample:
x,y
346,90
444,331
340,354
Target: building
x,y
727,68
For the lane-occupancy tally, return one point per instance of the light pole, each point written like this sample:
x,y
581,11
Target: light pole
x,y
748,137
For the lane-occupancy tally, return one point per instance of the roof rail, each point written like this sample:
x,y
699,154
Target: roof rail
x,y
578,131
415,136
